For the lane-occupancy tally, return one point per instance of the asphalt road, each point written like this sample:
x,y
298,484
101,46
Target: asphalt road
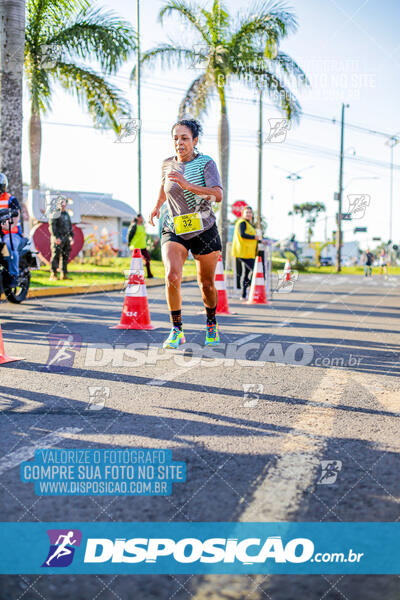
x,y
313,376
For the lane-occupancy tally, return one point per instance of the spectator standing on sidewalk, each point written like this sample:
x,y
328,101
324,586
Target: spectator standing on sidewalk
x,y
137,239
62,234
244,249
383,263
368,260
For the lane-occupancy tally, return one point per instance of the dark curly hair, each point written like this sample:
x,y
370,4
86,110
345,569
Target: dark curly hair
x,y
194,126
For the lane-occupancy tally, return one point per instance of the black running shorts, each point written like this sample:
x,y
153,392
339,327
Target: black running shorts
x,y
206,242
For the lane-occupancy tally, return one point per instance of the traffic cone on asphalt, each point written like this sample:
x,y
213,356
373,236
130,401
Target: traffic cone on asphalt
x,y
3,356
287,269
135,312
258,294
222,301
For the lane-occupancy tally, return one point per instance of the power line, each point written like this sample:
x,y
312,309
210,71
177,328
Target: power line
x,y
319,118
297,147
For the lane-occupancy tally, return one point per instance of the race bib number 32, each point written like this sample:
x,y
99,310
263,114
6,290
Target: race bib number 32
x,y
188,223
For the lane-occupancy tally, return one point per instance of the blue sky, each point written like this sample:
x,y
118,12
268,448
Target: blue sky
x,y
350,51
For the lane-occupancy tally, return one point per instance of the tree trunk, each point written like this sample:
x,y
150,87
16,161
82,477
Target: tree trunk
x,y
12,45
35,145
223,143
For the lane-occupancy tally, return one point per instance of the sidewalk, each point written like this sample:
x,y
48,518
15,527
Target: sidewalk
x,y
40,292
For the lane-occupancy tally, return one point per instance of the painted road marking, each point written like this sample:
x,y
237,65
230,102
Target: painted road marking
x,y
26,452
280,493
247,338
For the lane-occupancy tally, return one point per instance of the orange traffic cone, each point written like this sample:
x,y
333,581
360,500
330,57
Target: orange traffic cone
x,y
257,289
135,312
287,269
222,302
3,356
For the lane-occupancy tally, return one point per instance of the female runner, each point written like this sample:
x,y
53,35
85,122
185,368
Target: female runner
x,y
190,182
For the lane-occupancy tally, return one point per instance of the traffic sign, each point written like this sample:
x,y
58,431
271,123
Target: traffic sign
x,y
237,207
336,196
362,230
346,216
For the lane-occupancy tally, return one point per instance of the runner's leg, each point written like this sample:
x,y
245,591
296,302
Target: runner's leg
x,y
174,256
206,265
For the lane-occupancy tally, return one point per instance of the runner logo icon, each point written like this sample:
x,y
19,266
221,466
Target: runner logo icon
x,y
62,547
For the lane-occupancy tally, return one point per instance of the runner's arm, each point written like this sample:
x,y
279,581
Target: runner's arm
x,y
131,232
206,191
199,190
156,210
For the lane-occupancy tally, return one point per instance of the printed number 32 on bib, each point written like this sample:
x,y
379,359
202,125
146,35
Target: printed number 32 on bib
x,y
188,223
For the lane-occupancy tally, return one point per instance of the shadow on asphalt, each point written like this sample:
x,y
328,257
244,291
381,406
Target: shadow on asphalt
x,y
365,490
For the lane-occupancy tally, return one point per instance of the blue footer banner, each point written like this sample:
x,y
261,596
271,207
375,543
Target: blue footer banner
x,y
239,548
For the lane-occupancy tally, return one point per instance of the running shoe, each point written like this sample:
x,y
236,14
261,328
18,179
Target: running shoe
x,y
212,335
175,338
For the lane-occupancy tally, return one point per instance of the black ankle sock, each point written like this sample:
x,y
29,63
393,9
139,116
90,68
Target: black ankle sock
x,y
176,318
211,320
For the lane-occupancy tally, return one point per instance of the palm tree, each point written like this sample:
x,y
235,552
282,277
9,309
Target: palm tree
x,y
309,211
12,19
246,50
59,35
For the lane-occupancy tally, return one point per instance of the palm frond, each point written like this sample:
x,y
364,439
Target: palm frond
x,y
220,22
96,33
105,101
291,68
283,97
264,20
188,12
171,55
197,97
39,90
46,16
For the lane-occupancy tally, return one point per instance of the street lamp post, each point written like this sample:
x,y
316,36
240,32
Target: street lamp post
x,y
139,138
391,142
339,218
260,161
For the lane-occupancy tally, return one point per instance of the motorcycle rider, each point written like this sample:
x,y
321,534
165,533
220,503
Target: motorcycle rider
x,y
13,235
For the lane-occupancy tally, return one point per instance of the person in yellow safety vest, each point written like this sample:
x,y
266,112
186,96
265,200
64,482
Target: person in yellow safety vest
x,y
244,249
137,239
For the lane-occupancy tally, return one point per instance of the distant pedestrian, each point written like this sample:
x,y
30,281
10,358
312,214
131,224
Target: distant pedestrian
x,y
61,238
368,260
244,249
383,262
137,239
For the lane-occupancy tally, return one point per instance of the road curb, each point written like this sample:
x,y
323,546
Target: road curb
x,y
91,289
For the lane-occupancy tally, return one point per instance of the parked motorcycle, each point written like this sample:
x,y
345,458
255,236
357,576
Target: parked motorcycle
x,y
28,262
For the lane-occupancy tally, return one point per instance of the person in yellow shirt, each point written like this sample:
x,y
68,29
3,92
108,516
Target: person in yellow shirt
x,y
137,239
244,249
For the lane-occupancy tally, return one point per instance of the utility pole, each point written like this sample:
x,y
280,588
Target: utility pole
x,y
391,142
339,217
139,138
260,161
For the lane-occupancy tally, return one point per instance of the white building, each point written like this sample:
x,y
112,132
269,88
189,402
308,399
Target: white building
x,y
95,213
